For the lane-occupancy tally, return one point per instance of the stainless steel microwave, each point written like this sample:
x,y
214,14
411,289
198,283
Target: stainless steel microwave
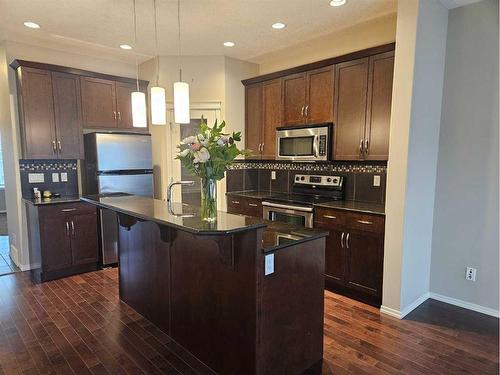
x,y
304,143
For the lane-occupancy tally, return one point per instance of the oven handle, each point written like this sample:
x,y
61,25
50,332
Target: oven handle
x,y
288,207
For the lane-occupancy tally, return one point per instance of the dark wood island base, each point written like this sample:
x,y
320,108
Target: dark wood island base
x,y
214,292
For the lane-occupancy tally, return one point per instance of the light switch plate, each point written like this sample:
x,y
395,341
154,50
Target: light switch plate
x,y
376,180
273,175
55,177
268,264
64,177
35,178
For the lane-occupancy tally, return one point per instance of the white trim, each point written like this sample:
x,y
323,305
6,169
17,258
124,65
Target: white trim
x,y
451,4
465,304
391,312
398,314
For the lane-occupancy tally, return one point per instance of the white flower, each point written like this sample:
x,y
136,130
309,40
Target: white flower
x,y
184,152
201,156
222,140
203,141
189,140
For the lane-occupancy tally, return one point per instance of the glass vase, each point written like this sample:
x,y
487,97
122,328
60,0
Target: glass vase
x,y
209,199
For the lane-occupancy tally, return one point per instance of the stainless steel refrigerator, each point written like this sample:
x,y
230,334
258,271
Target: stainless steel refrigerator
x,y
116,163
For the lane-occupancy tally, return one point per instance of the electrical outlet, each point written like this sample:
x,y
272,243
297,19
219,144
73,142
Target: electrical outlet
x,y
273,175
376,180
34,178
268,264
55,177
64,177
470,274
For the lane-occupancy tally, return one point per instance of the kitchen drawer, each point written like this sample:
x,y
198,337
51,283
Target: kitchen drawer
x,y
364,222
76,208
329,217
244,206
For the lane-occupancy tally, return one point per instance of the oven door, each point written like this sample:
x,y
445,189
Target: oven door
x,y
299,215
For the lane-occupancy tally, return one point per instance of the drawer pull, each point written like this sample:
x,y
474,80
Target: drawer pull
x,y
329,217
253,205
235,202
68,209
365,222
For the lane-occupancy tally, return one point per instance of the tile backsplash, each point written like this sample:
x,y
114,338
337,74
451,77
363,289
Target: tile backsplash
x,y
47,168
358,178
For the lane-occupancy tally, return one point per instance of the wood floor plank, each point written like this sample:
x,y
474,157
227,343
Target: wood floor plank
x,y
79,325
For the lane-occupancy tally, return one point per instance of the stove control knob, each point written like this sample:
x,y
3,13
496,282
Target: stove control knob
x,y
296,178
335,181
328,179
302,178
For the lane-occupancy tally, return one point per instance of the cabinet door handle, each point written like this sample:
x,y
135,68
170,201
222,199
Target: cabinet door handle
x,y
119,116
347,240
262,147
235,202
54,148
253,205
329,217
342,240
361,146
114,115
68,209
307,111
366,145
72,228
59,146
302,111
365,222
67,229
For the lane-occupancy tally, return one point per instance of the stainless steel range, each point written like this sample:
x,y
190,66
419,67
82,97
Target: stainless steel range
x,y
298,206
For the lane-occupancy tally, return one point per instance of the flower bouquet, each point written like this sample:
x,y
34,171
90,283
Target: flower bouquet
x,y
207,155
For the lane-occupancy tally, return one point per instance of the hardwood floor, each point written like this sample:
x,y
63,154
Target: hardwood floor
x,y
78,325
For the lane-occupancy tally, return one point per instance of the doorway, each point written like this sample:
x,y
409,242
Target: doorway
x,y
210,111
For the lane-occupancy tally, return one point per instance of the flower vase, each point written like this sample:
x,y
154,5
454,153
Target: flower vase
x,y
209,199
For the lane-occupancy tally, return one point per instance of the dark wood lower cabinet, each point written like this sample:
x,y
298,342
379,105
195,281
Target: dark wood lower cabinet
x,y
354,253
244,206
62,240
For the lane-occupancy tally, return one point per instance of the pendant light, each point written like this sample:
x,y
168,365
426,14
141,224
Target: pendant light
x,y
158,106
181,89
139,115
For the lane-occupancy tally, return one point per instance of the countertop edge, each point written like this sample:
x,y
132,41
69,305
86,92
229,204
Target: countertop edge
x,y
294,243
48,203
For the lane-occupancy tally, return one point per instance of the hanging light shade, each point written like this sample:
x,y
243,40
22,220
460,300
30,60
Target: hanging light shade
x,y
139,116
158,107
181,103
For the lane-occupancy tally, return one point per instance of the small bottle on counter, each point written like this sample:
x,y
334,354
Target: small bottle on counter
x,y
36,193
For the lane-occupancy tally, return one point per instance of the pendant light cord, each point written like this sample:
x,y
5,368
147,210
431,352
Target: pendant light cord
x,y
156,47
135,46
179,36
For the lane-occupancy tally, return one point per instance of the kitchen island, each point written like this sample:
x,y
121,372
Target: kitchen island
x,y
243,295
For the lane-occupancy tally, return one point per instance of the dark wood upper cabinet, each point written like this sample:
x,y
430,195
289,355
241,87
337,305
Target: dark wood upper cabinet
x,y
319,96
294,99
124,105
36,112
378,114
308,97
253,121
98,103
351,88
68,115
271,116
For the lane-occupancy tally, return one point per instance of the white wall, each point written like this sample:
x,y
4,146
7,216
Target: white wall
x,y
9,126
413,150
466,221
381,30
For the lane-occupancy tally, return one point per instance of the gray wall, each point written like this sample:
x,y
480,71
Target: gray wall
x,y
466,222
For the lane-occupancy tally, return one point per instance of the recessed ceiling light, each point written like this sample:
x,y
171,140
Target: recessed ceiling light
x,y
337,3
229,44
278,25
31,25
125,46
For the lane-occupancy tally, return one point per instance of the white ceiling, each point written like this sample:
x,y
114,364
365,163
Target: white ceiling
x,y
102,25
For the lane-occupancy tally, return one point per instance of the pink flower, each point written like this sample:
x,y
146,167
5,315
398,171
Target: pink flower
x,y
195,146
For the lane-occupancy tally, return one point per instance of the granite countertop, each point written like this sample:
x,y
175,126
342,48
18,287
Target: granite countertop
x,y
364,207
48,201
279,235
250,194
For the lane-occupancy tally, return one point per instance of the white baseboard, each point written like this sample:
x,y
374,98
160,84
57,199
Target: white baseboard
x,y
14,255
465,304
400,314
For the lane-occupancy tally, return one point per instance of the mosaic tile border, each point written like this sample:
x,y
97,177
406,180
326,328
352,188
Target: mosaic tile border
x,y
310,167
47,165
